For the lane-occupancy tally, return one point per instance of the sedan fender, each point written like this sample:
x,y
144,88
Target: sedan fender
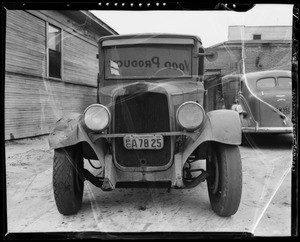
x,y
223,126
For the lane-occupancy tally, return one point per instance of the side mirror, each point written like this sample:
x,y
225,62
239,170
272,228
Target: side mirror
x,y
210,55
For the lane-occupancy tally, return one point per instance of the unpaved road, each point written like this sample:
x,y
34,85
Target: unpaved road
x,y
265,208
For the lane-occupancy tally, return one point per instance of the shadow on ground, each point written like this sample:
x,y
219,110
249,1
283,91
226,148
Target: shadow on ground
x,y
268,141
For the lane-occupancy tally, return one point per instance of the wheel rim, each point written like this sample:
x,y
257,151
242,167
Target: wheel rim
x,y
214,174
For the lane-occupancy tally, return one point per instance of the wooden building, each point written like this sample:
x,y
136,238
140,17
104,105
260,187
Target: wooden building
x,y
50,67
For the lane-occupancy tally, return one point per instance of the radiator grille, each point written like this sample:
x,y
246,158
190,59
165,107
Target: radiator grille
x,y
142,113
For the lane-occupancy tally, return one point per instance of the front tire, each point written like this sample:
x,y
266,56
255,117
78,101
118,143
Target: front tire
x,y
68,180
225,179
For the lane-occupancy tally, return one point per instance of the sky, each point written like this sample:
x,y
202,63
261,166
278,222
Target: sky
x,y
210,26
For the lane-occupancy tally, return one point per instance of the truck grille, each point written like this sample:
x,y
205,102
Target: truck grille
x,y
142,113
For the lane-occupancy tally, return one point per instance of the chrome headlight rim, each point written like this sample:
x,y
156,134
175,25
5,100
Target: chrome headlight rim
x,y
108,116
190,129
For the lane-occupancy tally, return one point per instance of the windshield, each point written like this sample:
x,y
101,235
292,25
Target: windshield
x,y
156,61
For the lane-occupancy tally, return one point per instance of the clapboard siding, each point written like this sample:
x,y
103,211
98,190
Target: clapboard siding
x,y
25,43
33,101
37,104
79,62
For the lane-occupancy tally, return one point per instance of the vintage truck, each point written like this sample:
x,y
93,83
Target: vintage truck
x,y
149,127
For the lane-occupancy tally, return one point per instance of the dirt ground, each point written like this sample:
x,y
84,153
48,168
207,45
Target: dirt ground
x,y
265,208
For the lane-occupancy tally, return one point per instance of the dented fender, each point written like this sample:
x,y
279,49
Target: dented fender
x,y
69,131
66,131
221,126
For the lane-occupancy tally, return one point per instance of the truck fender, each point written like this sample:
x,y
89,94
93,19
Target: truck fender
x,y
69,131
223,126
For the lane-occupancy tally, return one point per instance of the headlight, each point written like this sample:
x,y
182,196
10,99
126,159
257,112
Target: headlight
x,y
190,115
97,117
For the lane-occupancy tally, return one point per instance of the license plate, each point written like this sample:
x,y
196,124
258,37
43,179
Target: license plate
x,y
147,142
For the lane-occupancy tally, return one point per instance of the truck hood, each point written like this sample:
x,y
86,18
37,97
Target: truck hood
x,y
171,88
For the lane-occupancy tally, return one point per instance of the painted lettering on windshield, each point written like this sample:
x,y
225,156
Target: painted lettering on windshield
x,y
154,62
128,62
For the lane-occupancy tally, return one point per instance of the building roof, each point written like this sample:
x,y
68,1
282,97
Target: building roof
x,y
249,42
97,24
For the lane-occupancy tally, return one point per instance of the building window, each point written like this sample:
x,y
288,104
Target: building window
x,y
54,51
257,36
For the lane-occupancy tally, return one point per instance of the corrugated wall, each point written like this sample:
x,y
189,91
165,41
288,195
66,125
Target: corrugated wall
x,y
34,102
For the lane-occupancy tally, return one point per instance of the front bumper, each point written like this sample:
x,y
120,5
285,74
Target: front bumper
x,y
267,129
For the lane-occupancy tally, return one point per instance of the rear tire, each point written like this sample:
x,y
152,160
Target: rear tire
x,y
68,180
225,179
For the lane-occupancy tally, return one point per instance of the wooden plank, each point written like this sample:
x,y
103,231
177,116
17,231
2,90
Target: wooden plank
x,y
25,43
34,103
27,104
80,62
26,50
63,22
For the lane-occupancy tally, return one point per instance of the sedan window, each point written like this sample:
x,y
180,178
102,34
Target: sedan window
x,y
266,82
284,82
